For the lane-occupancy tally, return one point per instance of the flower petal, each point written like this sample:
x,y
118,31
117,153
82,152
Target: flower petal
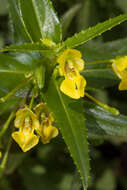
x,y
68,54
74,88
26,142
81,84
35,124
79,64
49,133
123,84
21,115
119,65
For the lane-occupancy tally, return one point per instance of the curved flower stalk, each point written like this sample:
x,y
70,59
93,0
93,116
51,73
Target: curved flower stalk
x,y
70,66
46,130
119,66
26,121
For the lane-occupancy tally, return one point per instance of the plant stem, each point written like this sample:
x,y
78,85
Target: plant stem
x,y
7,123
4,161
101,61
5,127
32,99
105,106
5,98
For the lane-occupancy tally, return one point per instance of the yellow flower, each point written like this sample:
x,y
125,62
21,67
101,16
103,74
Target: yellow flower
x,y
70,64
46,130
26,121
119,66
73,87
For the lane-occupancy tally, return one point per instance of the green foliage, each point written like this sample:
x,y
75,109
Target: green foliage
x,y
100,78
104,51
14,66
36,44
93,32
103,123
42,16
28,47
19,31
69,118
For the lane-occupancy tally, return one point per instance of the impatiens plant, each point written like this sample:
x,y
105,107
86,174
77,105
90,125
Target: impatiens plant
x,y
46,83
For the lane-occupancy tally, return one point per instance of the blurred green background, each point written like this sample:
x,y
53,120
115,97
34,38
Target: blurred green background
x,y
50,167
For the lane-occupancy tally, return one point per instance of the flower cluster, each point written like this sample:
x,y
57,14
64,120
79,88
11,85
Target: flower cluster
x,y
39,124
119,66
70,66
32,125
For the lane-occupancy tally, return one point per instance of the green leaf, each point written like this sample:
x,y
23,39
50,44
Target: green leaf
x,y
13,68
100,78
93,32
100,75
102,123
68,17
41,22
19,31
70,119
17,63
9,105
29,47
104,51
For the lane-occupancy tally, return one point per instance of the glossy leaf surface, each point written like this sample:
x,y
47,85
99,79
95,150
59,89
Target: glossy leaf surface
x,y
19,31
103,123
70,119
42,21
94,31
